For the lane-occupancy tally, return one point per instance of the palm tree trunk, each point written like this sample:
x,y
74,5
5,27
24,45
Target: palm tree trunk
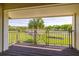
x,y
35,35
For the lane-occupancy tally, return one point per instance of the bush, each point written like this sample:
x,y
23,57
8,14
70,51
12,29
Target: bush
x,y
29,41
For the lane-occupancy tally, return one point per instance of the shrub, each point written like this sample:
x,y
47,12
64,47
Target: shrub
x,y
29,41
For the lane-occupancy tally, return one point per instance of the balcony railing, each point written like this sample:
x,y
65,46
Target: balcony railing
x,y
55,38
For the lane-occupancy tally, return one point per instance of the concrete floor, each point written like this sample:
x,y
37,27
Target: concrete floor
x,y
21,50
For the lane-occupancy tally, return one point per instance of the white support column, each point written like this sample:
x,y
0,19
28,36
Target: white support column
x,y
77,30
0,28
3,30
74,30
75,27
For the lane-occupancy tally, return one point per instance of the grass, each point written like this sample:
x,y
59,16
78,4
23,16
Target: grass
x,y
61,38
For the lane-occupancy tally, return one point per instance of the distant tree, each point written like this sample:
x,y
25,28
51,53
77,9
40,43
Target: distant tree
x,y
65,26
69,28
56,27
35,24
49,27
17,28
21,28
11,28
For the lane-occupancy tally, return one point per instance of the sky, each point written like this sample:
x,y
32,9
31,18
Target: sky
x,y
47,21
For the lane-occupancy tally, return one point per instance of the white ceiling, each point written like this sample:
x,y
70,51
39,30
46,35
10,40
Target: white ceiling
x,y
44,11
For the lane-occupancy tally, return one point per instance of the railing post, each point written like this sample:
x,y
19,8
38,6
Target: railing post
x,y
17,41
47,36
70,39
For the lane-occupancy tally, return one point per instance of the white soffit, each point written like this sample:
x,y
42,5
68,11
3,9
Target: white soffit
x,y
44,11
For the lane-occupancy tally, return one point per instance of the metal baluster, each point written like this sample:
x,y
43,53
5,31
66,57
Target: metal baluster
x,y
58,39
48,36
54,39
17,36
69,39
62,37
11,39
65,37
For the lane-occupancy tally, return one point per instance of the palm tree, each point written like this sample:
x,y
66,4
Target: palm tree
x,y
35,24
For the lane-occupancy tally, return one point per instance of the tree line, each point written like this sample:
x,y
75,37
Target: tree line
x,y
65,27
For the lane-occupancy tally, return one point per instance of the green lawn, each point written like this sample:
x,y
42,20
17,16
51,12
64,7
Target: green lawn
x,y
61,38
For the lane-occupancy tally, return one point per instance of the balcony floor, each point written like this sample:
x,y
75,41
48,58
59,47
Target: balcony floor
x,y
25,50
